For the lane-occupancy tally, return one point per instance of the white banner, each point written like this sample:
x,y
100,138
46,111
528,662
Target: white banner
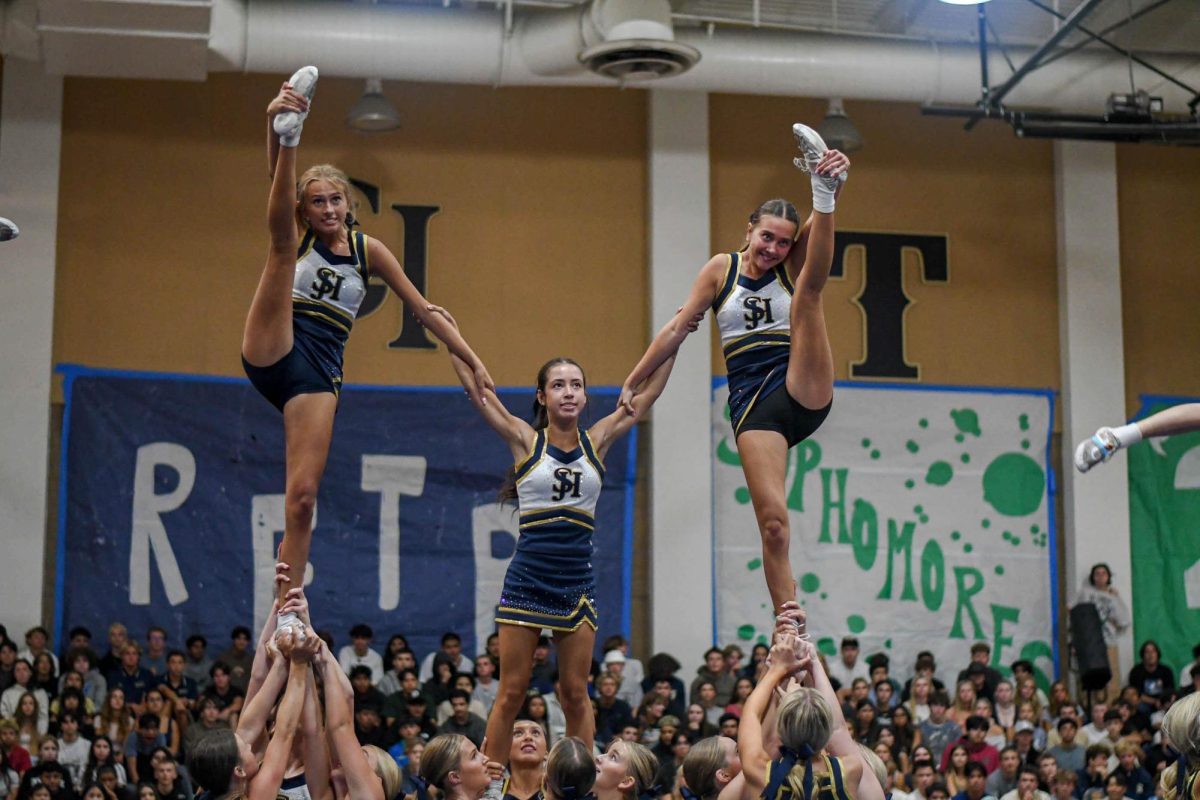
x,y
920,520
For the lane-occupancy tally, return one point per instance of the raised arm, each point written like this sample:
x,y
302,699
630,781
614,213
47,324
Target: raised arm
x,y
751,748
316,750
266,782
666,342
253,720
605,432
262,658
515,432
385,265
339,728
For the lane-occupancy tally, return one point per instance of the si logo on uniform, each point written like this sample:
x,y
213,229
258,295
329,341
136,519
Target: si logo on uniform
x,y
758,310
566,483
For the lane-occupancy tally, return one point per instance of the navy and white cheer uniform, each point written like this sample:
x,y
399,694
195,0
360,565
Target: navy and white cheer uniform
x,y
827,785
550,583
754,318
326,294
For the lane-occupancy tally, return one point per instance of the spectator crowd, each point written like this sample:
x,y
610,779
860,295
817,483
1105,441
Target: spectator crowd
x,y
77,725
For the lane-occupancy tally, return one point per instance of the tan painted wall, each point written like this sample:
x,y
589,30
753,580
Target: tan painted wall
x,y
539,249
1159,206
995,323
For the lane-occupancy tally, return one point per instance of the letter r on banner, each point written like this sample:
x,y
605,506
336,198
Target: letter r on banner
x,y
149,533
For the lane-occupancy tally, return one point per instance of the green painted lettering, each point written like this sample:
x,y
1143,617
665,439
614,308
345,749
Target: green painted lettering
x,y
864,521
964,594
1001,615
830,503
900,540
933,575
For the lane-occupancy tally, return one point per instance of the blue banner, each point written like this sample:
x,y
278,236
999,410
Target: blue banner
x,y
171,510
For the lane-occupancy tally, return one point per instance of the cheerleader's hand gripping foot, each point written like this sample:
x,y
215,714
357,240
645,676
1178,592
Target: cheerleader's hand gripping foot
x,y
825,185
289,124
1096,450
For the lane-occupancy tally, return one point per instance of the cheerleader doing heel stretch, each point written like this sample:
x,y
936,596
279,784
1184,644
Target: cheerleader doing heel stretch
x,y
767,302
556,482
307,298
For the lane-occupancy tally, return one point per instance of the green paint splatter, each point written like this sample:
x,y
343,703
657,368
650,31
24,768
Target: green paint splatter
x,y
825,645
866,442
958,437
924,519
966,420
1006,536
939,473
924,423
742,495
908,484
824,595
955,535
887,643
810,582
746,632
912,446
875,454
1034,529
985,523
999,569
763,640
918,509
1024,444
965,458
1016,540
856,623
1023,421
968,547
1013,484
754,563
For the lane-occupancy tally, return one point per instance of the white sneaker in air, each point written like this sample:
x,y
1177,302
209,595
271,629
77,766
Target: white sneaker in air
x,y
289,124
8,230
1096,450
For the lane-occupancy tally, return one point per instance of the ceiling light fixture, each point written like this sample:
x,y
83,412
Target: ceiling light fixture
x,y
373,113
837,130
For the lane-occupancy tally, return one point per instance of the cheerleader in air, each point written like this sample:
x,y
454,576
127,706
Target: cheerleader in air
x,y
312,285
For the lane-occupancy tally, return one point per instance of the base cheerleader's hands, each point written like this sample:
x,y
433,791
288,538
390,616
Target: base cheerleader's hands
x,y
628,393
296,603
287,100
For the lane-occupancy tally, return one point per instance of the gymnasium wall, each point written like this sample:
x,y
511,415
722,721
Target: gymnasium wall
x,y
542,194
1159,196
539,249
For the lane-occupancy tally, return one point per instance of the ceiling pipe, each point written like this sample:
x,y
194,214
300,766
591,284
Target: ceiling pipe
x,y
460,46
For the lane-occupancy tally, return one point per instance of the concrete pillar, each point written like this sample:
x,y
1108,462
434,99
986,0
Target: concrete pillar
x,y
681,442
30,137
1091,341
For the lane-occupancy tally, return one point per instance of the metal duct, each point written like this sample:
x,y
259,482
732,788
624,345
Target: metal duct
x,y
396,42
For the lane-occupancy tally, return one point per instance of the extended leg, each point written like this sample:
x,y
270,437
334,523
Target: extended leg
x,y
1106,441
308,429
764,462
